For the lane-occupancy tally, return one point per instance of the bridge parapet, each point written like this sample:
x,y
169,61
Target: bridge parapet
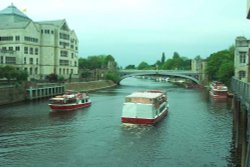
x,y
194,76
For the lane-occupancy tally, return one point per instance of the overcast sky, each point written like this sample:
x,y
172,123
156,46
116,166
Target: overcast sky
x,y
133,31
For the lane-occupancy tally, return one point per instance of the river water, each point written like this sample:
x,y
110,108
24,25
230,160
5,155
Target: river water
x,y
197,132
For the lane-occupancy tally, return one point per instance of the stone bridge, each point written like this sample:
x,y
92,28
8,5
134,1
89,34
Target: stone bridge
x,y
194,76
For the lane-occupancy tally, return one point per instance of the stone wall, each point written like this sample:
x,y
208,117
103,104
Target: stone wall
x,y
89,86
12,94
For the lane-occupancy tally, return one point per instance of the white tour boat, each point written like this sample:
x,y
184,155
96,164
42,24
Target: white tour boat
x,y
69,101
147,107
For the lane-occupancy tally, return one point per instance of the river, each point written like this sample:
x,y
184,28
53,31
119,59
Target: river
x,y
197,132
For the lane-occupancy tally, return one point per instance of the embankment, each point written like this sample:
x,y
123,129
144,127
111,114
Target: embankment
x,y
89,86
14,94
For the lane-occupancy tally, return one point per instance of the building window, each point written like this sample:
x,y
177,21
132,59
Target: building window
x,y
46,31
1,60
242,74
52,32
67,71
75,63
31,51
42,31
72,55
17,48
31,39
31,60
71,71
36,51
64,53
25,50
24,60
10,48
10,60
36,70
243,57
64,62
17,38
60,71
30,71
37,61
6,38
64,36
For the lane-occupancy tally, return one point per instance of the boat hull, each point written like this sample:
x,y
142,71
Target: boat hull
x,y
68,107
145,121
221,96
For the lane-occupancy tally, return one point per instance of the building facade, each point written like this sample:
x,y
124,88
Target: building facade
x,y
40,48
242,59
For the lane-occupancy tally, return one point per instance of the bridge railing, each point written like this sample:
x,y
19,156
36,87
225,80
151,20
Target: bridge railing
x,y
241,90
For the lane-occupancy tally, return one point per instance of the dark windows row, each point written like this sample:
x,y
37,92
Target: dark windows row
x,y
30,50
8,60
47,31
10,49
30,61
64,36
67,63
6,38
31,39
65,71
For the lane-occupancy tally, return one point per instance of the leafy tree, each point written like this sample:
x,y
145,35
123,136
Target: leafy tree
x,y
163,58
130,67
21,75
112,75
143,66
220,65
52,77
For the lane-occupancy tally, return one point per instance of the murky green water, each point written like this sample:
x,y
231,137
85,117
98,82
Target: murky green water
x,y
197,132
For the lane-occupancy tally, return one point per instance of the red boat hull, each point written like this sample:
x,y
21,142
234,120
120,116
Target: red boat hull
x,y
68,107
144,121
221,96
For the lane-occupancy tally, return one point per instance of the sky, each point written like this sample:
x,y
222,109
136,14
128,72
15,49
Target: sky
x,y
133,31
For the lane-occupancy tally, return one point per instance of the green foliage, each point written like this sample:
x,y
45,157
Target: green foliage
x,y
143,66
130,67
220,65
61,78
10,72
85,74
52,77
112,75
96,62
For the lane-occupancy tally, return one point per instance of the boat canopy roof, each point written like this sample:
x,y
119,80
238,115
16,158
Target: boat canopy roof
x,y
148,95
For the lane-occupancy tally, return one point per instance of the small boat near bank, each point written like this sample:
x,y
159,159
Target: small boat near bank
x,y
69,101
218,90
148,107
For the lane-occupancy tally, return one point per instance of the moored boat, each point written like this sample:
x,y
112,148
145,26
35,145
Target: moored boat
x,y
69,101
148,107
218,90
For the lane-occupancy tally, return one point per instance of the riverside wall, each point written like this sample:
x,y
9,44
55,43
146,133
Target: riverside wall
x,y
89,86
14,94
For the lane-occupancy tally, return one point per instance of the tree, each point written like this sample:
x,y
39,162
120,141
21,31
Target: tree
x,y
130,67
163,58
143,66
220,65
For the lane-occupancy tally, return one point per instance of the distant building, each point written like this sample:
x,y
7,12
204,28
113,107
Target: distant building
x,y
242,59
40,48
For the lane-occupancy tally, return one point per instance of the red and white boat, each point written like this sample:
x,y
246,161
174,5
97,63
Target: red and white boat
x,y
147,107
69,101
218,90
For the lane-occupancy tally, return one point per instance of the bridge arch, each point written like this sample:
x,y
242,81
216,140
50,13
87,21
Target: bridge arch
x,y
162,73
